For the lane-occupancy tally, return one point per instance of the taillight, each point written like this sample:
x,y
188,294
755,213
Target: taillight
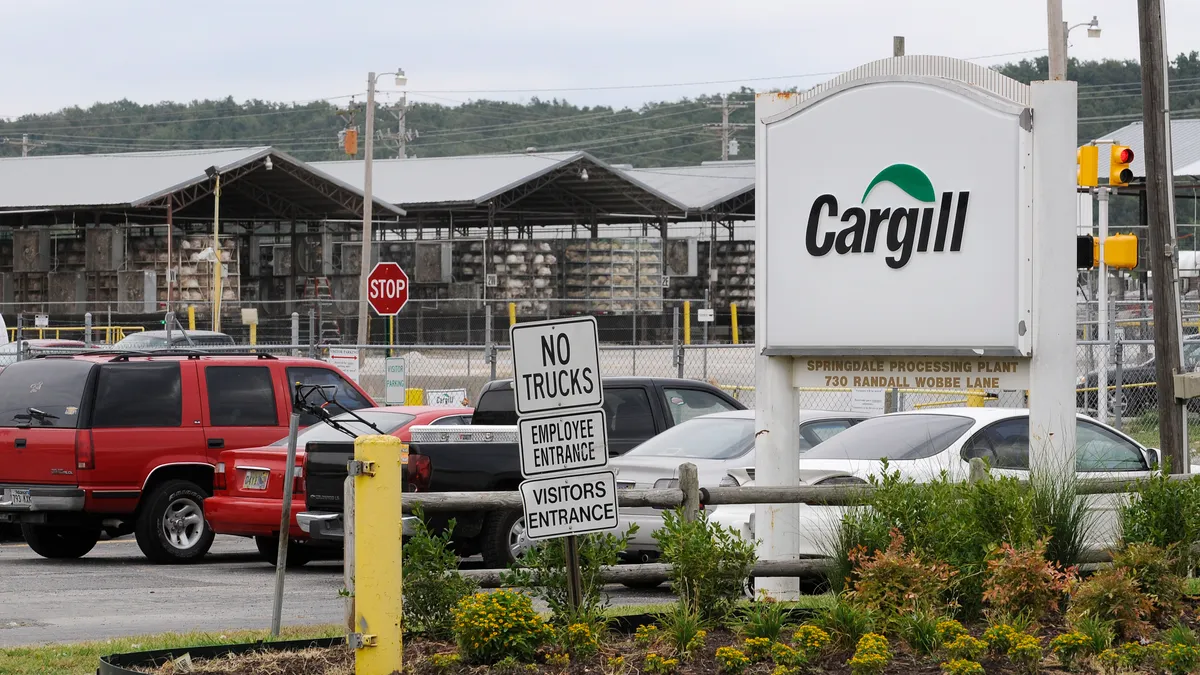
x,y
298,481
420,471
219,476
85,452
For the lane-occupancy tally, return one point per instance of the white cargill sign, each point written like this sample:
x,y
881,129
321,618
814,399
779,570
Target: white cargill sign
x,y
886,233
567,505
563,443
556,365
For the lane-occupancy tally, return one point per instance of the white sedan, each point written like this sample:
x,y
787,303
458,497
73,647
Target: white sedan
x,y
922,444
716,444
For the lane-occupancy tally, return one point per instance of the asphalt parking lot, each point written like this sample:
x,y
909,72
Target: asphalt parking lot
x,y
114,591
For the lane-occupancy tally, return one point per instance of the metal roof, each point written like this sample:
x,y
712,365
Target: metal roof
x,y
282,187
700,188
534,187
1185,147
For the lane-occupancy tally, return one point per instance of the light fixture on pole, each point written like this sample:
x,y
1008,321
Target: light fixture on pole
x,y
1093,31
364,332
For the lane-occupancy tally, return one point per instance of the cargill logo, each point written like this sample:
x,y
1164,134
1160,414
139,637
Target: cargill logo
x,y
907,229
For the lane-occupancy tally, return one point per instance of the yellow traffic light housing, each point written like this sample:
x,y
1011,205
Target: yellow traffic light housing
x,y
1119,159
350,141
1088,158
1121,252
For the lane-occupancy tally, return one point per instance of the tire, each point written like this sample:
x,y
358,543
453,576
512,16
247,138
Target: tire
x,y
642,585
170,527
502,531
53,542
298,555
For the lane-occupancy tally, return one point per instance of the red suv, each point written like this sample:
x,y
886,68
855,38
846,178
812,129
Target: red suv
x,y
129,442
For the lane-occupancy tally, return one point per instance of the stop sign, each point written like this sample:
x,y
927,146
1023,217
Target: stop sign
x,y
387,289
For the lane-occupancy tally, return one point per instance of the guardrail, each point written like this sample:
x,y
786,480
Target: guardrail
x,y
690,495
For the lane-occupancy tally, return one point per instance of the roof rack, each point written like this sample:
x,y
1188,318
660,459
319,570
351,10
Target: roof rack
x,y
191,354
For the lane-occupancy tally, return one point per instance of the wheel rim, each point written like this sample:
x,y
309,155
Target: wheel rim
x,y
518,539
183,523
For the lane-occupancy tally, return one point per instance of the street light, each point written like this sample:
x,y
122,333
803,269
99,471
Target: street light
x,y
1093,31
364,334
1058,57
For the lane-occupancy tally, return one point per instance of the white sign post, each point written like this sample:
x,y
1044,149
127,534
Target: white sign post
x,y
563,435
870,188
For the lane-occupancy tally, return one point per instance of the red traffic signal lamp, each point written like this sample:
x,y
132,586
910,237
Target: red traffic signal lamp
x,y
1119,159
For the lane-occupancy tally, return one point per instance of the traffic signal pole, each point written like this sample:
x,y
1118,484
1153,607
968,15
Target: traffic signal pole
x,y
1102,310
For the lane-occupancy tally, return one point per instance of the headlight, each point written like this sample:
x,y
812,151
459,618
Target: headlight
x,y
666,483
728,481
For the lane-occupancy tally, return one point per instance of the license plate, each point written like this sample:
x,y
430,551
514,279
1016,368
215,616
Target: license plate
x,y
18,497
255,480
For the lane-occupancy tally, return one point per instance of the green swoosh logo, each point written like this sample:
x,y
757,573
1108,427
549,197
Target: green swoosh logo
x,y
906,177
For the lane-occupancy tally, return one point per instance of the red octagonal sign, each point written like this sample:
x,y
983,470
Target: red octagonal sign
x,y
387,289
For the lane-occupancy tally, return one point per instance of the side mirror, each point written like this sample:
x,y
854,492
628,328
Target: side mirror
x,y
1153,457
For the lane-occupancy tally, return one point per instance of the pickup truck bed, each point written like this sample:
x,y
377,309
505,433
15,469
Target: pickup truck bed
x,y
483,456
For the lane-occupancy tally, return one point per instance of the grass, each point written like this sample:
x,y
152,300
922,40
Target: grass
x,y
820,601
83,658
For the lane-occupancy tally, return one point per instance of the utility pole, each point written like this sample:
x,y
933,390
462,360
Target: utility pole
x,y
1058,40
725,128
25,143
364,333
1162,247
898,45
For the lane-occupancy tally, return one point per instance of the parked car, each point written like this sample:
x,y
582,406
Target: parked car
x,y
484,455
716,444
8,352
922,444
1139,385
158,339
129,442
248,494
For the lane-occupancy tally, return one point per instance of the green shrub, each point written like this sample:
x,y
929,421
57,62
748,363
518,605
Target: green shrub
x,y
920,631
491,627
1110,661
1154,570
682,629
646,635
764,618
1180,634
1001,637
1060,515
1180,659
581,639
1099,633
432,582
846,622
962,667
810,641
542,569
893,583
710,564
1021,580
657,665
442,663
558,659
1165,513
1069,648
948,629
871,655
1112,595
758,649
784,655
731,661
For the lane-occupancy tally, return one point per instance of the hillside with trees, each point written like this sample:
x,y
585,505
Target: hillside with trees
x,y
657,134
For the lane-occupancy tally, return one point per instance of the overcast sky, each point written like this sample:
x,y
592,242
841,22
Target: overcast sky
x,y
60,53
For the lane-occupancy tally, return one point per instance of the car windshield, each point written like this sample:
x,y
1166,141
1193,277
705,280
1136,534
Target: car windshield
x,y
894,437
43,393
387,422
701,438
137,341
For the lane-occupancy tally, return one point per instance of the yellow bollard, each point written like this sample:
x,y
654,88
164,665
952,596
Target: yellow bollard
x,y
687,322
733,312
253,333
191,317
512,314
377,640
414,396
975,398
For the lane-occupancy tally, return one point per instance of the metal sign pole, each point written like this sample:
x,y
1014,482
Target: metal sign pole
x,y
574,573
285,522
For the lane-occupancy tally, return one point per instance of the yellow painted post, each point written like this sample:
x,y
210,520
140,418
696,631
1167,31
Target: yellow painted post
x,y
391,333
687,322
414,396
975,398
253,333
512,314
377,640
733,312
191,317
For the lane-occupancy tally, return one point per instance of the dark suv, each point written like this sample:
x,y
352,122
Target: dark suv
x,y
129,442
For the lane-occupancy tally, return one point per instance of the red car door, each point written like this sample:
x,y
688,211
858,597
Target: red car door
x,y
241,405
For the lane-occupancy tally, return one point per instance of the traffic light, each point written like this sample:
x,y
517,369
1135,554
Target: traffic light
x,y
1119,159
350,141
1088,158
1085,252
